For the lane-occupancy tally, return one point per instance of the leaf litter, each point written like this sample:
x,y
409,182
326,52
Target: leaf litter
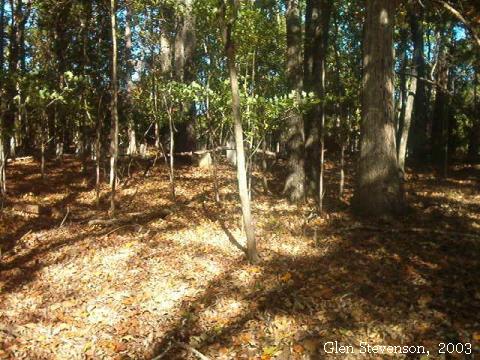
x,y
177,286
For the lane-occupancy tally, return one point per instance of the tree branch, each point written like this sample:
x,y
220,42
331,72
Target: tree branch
x,y
460,17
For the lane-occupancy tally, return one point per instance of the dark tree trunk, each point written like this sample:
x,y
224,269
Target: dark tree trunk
x,y
317,19
2,33
474,141
2,58
295,183
378,190
440,111
185,42
419,136
60,50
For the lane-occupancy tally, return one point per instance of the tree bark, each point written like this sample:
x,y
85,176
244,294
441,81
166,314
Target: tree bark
x,y
114,108
474,141
440,111
378,190
2,33
185,43
295,182
238,131
404,129
317,20
419,136
132,138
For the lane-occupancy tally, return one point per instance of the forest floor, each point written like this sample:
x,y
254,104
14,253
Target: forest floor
x,y
176,285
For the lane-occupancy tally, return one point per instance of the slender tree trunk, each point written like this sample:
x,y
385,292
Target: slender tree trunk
x,y
114,109
238,131
295,182
378,190
405,125
171,151
132,138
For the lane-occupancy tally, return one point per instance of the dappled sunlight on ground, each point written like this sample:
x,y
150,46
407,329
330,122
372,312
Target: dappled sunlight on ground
x,y
159,281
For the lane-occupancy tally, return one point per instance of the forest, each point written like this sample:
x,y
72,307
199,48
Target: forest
x,y
239,179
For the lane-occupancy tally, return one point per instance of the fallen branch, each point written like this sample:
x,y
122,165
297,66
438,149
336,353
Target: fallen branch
x,y
162,354
65,218
192,350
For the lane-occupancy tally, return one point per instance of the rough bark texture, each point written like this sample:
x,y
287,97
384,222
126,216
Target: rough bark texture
x,y
406,123
185,42
317,19
295,183
378,190
420,108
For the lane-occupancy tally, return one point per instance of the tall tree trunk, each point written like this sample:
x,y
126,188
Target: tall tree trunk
x,y
420,108
295,183
440,111
317,21
85,26
185,43
132,139
378,190
60,46
2,33
474,141
237,119
2,125
404,129
114,109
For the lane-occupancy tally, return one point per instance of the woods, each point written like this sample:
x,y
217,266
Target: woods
x,y
261,153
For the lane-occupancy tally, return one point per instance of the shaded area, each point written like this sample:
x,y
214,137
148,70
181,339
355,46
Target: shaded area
x,y
413,280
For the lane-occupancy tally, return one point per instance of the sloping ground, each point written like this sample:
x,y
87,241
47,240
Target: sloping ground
x,y
156,286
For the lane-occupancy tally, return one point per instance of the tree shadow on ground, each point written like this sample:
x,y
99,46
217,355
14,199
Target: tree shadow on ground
x,y
387,278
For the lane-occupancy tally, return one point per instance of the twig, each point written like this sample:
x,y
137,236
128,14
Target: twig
x,y
162,354
462,19
65,217
193,350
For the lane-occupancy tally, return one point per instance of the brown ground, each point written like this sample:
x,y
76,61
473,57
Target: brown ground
x,y
154,285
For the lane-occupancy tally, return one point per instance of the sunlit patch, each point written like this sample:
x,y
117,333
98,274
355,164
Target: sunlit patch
x,y
384,17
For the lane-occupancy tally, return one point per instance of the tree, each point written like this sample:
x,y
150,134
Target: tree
x,y
227,34
378,188
114,109
420,106
184,61
440,111
317,22
295,183
132,142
